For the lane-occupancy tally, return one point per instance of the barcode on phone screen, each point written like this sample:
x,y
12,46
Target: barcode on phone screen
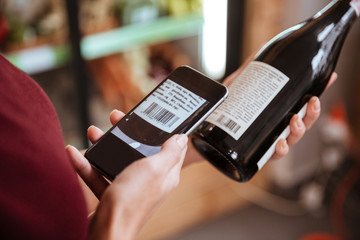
x,y
226,122
160,114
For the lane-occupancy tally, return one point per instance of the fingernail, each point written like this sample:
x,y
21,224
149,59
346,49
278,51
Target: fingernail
x,y
316,104
68,147
182,140
114,110
283,144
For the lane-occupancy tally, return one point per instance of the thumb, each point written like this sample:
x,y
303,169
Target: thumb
x,y
173,150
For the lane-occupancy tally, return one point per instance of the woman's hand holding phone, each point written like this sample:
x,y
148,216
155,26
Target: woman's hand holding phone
x,y
136,192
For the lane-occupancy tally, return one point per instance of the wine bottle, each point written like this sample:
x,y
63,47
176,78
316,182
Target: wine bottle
x,y
240,136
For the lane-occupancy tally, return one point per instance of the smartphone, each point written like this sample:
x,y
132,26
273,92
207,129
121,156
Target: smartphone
x,y
176,106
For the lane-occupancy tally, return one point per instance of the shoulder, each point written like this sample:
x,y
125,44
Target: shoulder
x,y
42,193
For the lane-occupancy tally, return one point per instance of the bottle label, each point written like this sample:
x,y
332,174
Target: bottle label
x,y
169,105
249,95
356,5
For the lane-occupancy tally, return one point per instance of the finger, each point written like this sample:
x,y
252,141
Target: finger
x,y
94,180
192,156
172,152
297,130
115,116
175,148
333,78
179,164
281,149
173,175
94,134
312,112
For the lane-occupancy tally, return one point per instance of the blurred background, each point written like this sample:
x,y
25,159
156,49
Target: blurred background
x,y
91,56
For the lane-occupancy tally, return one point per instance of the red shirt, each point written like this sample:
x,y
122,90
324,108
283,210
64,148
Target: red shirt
x,y
40,196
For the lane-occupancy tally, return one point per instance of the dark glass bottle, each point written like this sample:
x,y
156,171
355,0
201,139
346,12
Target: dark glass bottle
x,y
240,136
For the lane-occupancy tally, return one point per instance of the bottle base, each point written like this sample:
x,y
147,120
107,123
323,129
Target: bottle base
x,y
216,158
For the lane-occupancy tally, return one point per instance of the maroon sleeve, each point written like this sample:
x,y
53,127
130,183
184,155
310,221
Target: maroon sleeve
x,y
40,196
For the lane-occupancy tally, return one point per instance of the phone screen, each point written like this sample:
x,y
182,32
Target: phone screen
x,y
163,111
176,106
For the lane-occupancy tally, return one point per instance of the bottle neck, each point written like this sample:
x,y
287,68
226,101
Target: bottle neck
x,y
339,8
333,21
336,18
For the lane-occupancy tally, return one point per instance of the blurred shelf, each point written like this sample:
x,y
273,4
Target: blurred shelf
x,y
127,37
47,57
40,59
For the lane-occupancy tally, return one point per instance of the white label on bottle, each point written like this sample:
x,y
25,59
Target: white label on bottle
x,y
169,105
249,95
265,158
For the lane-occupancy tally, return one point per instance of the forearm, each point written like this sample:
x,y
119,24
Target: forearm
x,y
111,222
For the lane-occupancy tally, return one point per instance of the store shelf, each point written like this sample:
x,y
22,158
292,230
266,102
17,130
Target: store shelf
x,y
45,58
39,59
164,29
